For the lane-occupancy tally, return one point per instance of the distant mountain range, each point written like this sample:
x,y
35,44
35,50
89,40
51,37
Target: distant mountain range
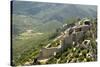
x,y
37,15
36,24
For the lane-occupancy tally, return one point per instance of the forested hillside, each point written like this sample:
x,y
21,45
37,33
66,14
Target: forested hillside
x,y
35,24
36,15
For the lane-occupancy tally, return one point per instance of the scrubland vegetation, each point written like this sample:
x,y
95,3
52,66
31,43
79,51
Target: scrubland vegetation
x,y
34,25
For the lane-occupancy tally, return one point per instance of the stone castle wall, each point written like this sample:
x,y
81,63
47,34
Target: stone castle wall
x,y
73,34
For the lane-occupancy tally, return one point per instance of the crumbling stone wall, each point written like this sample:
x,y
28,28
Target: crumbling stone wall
x,y
47,52
67,42
78,36
70,35
86,27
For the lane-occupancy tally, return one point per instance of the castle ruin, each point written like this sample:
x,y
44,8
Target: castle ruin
x,y
70,34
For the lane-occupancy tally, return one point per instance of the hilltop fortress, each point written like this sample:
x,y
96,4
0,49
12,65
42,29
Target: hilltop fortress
x,y
72,34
